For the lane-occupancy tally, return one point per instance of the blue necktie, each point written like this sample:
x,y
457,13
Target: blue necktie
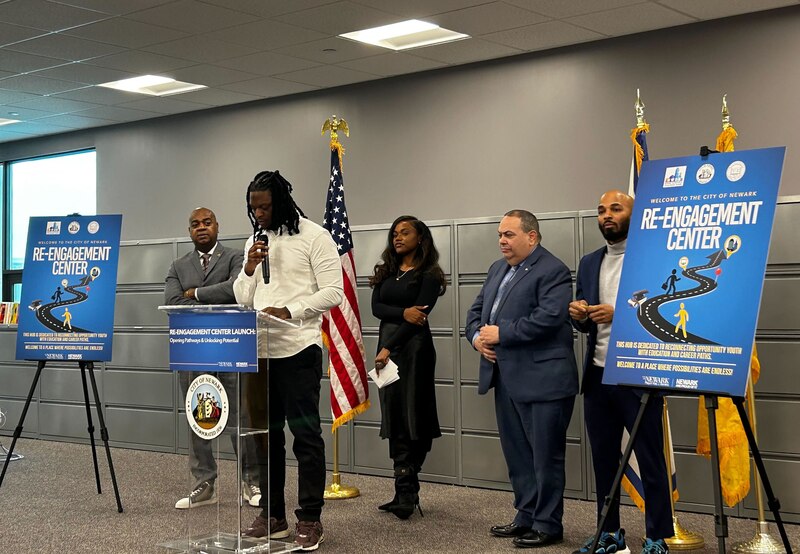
x,y
500,292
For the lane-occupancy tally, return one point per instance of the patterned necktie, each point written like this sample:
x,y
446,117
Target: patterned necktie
x,y
204,259
500,292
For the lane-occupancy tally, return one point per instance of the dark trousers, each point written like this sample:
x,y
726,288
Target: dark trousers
x,y
288,390
607,410
533,436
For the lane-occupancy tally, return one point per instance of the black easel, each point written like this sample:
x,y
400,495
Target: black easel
x,y
720,519
103,431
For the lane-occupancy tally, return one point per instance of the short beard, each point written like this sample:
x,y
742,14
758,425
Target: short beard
x,y
615,235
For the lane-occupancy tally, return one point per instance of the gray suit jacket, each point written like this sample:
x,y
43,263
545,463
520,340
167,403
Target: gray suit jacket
x,y
215,287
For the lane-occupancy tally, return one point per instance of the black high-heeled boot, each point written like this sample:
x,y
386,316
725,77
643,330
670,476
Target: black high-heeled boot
x,y
406,486
388,506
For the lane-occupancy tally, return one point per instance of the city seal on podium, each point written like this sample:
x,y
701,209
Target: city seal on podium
x,y
207,407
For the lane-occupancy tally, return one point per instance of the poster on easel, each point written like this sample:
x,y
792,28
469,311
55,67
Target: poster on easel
x,y
693,274
69,284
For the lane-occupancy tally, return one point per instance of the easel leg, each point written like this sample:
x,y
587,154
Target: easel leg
x,y
720,519
773,503
90,427
18,429
104,434
615,486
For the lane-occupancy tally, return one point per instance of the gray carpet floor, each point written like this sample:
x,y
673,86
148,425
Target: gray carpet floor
x,y
48,503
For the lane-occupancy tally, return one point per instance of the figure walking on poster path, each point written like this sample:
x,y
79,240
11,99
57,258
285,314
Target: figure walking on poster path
x,y
57,295
68,318
683,316
669,284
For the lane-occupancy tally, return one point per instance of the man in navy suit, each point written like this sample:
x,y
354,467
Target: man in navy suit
x,y
520,326
608,408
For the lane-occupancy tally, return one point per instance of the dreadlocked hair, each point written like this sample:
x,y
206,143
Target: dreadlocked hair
x,y
285,212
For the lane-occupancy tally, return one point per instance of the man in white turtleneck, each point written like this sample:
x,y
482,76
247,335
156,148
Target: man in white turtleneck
x,y
609,409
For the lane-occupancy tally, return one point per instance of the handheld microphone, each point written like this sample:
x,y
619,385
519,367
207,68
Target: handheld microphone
x,y
263,237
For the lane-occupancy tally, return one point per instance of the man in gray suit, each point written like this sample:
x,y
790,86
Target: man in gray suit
x,y
205,276
520,326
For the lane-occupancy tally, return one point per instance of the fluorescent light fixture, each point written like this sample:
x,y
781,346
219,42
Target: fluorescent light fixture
x,y
152,85
8,121
404,35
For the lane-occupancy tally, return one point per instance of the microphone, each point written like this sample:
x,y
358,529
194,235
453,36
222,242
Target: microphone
x,y
263,237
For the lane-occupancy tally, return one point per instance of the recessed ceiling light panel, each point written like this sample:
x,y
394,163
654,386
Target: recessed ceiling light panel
x,y
8,121
404,35
152,85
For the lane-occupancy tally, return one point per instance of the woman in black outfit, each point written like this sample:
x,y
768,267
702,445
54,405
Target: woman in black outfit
x,y
406,285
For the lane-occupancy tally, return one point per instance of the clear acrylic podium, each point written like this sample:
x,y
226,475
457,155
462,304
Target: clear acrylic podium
x,y
208,347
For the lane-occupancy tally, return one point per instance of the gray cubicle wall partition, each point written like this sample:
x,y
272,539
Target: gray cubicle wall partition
x,y
143,402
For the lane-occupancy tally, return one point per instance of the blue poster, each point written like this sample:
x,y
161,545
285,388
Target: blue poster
x,y
69,283
213,341
691,283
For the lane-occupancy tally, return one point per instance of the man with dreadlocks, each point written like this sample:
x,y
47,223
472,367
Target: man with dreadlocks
x,y
304,280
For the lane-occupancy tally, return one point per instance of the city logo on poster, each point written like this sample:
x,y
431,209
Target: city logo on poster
x,y
207,407
93,227
705,173
53,228
674,176
73,227
735,171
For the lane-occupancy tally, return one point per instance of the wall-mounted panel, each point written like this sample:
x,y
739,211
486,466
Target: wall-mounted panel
x,y
442,458
694,479
8,345
144,263
776,313
558,236
365,307
477,247
368,244
127,425
139,388
783,248
482,459
683,420
135,309
778,360
592,237
17,380
777,421
13,410
150,350
477,410
65,384
445,361
785,484
370,450
470,361
445,405
466,297
67,420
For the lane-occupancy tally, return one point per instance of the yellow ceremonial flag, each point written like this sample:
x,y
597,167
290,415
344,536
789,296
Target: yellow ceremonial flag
x,y
734,452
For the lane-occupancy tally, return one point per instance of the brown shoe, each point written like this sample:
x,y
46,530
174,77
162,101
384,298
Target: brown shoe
x,y
308,534
278,528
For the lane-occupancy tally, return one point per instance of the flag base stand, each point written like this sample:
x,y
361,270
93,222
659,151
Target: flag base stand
x,y
337,491
684,539
762,542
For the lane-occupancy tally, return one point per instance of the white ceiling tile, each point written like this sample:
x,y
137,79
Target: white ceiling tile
x,y
560,9
126,32
712,9
23,114
100,95
19,62
115,7
393,63
267,63
338,18
631,19
209,75
114,113
10,34
487,18
465,51
219,97
165,105
54,104
327,76
75,121
46,15
143,63
38,128
267,87
15,97
419,8
56,45
332,50
84,73
269,8
266,35
37,85
192,16
550,34
200,48
6,135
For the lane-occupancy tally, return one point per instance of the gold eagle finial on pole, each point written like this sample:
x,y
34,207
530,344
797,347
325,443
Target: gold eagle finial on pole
x,y
639,107
334,124
726,116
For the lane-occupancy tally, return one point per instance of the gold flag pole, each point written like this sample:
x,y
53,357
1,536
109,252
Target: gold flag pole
x,y
683,539
762,541
336,490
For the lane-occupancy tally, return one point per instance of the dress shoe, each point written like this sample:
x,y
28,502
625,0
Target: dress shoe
x,y
510,530
537,539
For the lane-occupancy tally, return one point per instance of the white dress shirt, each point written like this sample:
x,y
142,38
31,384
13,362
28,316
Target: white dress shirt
x,y
305,277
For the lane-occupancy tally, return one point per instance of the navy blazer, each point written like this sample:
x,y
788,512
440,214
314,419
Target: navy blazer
x,y
535,356
587,288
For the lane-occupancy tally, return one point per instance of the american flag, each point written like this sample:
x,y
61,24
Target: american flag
x,y
341,327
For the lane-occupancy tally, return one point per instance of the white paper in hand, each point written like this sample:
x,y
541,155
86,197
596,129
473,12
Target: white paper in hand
x,y
387,375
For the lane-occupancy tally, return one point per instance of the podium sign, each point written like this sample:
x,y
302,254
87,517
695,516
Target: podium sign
x,y
691,283
213,341
68,288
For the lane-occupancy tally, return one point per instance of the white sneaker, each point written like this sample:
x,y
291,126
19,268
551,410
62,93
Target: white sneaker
x,y
251,493
204,494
